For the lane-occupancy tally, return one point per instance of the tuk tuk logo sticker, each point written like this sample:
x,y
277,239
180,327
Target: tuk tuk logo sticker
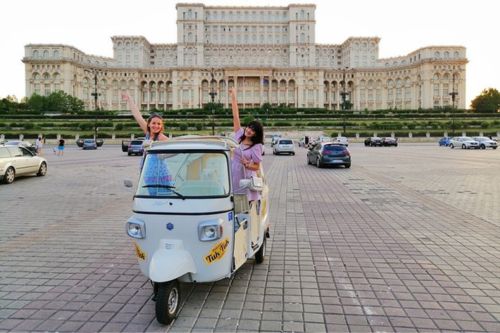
x,y
217,252
139,252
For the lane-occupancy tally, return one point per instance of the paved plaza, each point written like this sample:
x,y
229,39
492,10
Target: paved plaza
x,y
407,239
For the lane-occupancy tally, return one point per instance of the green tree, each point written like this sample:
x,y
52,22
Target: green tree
x,y
57,101
488,101
36,103
76,105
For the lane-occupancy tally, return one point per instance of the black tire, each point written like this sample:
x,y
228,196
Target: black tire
x,y
452,146
42,171
347,166
308,162
482,147
494,147
464,146
318,163
261,253
168,302
9,176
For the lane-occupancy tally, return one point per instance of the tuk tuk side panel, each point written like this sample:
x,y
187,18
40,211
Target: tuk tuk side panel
x,y
241,252
212,259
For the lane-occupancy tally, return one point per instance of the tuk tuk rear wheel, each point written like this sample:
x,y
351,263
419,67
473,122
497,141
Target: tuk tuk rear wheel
x,y
167,301
260,254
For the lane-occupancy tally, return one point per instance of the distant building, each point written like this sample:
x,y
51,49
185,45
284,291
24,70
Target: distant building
x,y
268,53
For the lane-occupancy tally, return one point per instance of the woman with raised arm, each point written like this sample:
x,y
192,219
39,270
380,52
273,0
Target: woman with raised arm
x,y
246,160
153,127
156,173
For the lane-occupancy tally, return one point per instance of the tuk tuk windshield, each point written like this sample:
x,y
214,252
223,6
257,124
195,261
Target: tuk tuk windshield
x,y
184,174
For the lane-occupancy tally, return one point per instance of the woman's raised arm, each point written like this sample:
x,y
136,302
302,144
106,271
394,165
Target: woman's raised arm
x,y
234,108
135,112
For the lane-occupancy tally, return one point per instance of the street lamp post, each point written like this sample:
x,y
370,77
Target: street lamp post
x,y
344,94
95,94
212,94
453,94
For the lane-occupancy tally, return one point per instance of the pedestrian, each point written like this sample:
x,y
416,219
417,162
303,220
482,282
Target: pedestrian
x,y
246,160
60,147
39,145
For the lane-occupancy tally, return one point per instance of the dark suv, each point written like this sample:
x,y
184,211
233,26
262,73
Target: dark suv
x,y
328,153
373,141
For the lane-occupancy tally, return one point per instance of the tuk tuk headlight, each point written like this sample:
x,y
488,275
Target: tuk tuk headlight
x,y
210,230
136,229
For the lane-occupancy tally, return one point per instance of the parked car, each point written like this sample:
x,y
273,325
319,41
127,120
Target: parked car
x,y
274,139
389,141
136,147
18,161
329,153
99,142
284,146
373,141
444,141
464,142
341,140
25,144
485,142
125,144
89,144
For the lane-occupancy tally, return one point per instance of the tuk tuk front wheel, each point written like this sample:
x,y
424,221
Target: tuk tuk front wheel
x,y
167,301
260,254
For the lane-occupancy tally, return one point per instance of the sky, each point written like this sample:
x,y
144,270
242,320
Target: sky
x,y
403,26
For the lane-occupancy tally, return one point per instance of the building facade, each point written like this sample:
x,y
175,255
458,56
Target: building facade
x,y
268,53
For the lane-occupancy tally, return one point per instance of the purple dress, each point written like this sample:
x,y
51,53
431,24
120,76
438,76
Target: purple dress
x,y
238,171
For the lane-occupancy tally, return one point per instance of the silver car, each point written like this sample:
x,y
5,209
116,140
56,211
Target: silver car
x,y
463,142
485,142
284,146
16,161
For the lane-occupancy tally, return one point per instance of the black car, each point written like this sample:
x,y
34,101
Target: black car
x,y
328,153
373,141
389,141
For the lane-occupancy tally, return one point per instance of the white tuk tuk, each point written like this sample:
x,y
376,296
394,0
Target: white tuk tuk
x,y
188,225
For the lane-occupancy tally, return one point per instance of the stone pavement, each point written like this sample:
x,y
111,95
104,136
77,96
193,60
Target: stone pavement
x,y
407,239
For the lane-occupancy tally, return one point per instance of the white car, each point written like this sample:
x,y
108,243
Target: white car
x,y
284,146
16,161
485,142
463,142
341,140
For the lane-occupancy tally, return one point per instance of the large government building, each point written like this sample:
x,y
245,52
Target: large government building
x,y
269,53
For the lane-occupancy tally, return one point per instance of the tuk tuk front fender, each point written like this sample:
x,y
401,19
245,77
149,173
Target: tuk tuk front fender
x,y
170,261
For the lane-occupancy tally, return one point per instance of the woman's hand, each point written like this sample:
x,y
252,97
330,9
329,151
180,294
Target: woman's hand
x,y
126,97
246,163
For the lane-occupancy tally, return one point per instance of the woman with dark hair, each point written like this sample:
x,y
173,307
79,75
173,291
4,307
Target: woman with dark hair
x,y
246,160
153,127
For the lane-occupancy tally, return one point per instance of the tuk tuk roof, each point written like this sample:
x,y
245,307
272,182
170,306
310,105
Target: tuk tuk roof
x,y
196,142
